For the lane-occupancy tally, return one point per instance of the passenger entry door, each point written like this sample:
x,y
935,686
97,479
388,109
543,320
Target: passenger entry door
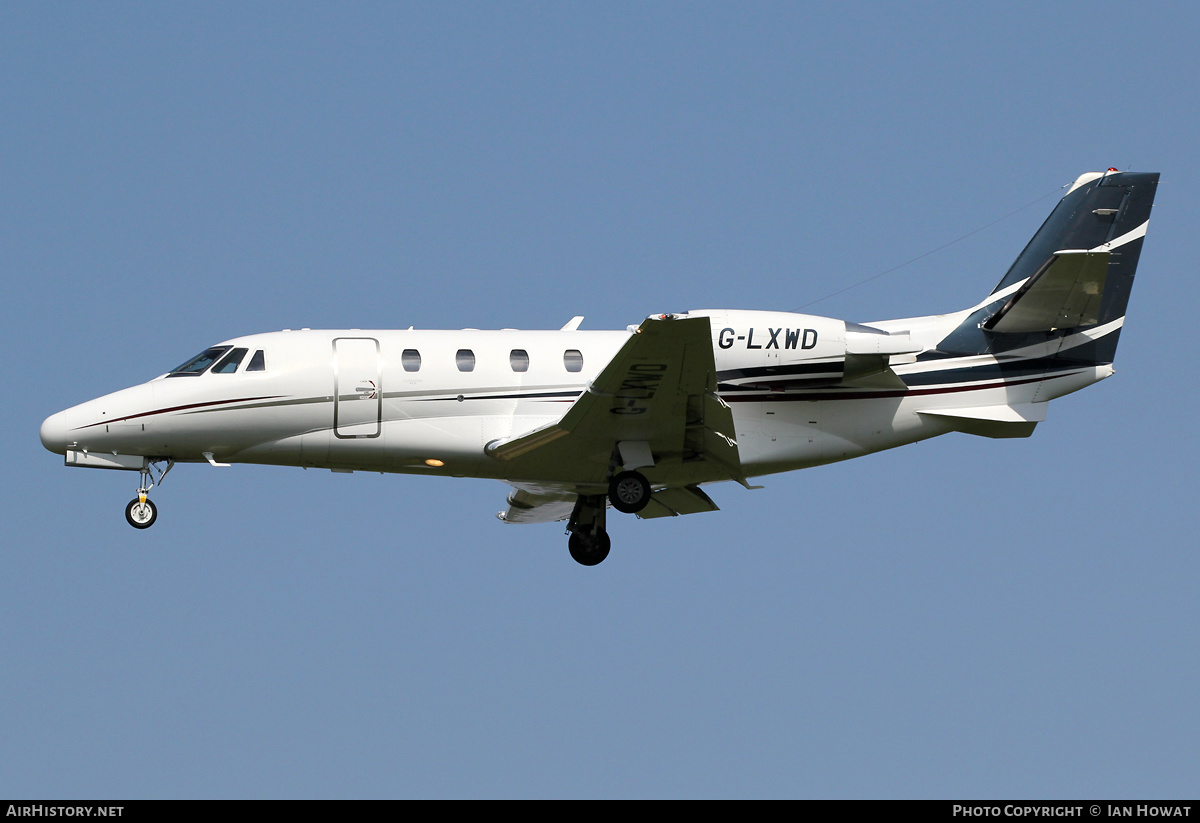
x,y
357,387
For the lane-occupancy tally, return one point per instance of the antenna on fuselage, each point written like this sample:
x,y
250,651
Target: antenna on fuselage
x,y
928,253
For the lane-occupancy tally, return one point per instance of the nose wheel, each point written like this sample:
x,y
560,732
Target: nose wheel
x,y
141,513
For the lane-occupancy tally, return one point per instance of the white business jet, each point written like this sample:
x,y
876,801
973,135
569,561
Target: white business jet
x,y
641,419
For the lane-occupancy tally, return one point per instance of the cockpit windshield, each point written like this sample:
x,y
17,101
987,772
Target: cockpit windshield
x,y
199,363
229,364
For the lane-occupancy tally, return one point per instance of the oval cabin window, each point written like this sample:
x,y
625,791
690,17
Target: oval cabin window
x,y
411,360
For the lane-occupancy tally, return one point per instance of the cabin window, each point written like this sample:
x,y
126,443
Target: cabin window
x,y
519,360
465,360
230,362
257,362
411,360
573,360
199,363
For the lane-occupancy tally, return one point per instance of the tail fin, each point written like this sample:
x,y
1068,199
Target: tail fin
x,y
1075,274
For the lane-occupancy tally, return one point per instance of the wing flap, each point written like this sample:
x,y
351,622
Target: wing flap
x,y
537,507
675,501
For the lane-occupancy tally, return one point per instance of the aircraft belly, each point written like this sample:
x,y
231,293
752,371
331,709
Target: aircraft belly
x,y
456,441
1050,389
790,435
404,444
777,436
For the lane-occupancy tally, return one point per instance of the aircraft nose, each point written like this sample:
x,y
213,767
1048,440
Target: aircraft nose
x,y
56,433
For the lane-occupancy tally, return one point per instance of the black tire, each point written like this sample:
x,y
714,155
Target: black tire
x,y
587,549
141,515
629,492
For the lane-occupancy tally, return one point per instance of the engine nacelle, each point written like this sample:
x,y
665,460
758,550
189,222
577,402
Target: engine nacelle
x,y
784,351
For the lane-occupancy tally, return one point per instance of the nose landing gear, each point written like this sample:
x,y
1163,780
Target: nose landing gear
x,y
141,513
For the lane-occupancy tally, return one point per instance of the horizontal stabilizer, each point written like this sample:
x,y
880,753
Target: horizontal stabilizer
x,y
1064,294
677,501
993,421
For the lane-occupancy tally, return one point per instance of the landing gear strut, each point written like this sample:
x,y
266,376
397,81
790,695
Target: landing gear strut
x,y
588,543
141,513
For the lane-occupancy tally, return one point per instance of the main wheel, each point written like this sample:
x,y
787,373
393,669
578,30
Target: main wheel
x,y
141,515
629,492
588,549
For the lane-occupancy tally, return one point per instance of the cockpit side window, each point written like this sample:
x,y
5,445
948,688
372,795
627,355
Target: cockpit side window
x,y
199,363
257,362
230,362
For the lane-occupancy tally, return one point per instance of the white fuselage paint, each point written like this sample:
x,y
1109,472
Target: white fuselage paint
x,y
390,419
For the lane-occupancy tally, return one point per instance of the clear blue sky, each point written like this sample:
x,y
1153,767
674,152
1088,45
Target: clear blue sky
x,y
959,618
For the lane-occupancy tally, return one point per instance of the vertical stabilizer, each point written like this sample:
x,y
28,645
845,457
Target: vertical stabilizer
x,y
1074,275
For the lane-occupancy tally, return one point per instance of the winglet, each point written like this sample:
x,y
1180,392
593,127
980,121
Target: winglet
x,y
573,323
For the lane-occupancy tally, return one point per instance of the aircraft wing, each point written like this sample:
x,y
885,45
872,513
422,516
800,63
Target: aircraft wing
x,y
550,505
653,408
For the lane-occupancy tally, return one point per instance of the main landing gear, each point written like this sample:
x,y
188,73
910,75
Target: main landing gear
x,y
628,491
589,549
588,543
141,513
